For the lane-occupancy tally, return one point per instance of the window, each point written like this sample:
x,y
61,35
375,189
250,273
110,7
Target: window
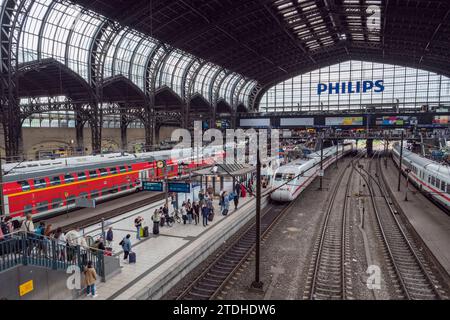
x,y
433,180
95,193
25,185
104,192
93,174
113,170
28,209
55,181
438,183
103,172
68,178
448,188
443,185
70,200
39,183
57,203
84,195
81,176
42,206
123,169
130,168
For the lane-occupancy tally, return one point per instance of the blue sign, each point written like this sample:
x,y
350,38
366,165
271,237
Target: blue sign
x,y
152,186
350,87
180,187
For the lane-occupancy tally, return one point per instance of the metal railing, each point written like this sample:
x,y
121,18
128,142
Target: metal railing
x,y
21,248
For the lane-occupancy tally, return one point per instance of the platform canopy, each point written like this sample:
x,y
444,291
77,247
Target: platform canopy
x,y
273,40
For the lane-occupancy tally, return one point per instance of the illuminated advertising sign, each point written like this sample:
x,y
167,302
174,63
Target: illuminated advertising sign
x,y
396,121
265,122
351,87
441,120
296,122
223,124
344,121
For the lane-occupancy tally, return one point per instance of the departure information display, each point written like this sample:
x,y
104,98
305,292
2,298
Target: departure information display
x,y
344,121
396,121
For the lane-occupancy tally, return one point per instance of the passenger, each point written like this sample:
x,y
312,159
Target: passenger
x,y
109,237
205,214
236,201
155,219
226,203
27,225
6,227
196,211
40,229
189,211
162,217
201,196
183,212
126,246
138,224
90,276
48,230
60,244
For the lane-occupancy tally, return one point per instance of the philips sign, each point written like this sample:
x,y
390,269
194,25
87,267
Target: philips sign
x,y
350,87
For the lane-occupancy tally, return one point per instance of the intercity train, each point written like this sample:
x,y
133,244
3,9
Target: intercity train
x,y
291,179
47,187
430,177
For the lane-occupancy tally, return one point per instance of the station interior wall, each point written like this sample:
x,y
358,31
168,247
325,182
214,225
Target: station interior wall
x,y
44,139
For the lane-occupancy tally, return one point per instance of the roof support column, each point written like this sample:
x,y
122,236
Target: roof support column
x,y
12,17
123,128
96,122
79,129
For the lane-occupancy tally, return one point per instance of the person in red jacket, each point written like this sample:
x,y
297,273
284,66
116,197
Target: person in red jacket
x,y
243,191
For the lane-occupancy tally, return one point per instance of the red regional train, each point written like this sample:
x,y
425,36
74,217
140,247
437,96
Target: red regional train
x,y
47,187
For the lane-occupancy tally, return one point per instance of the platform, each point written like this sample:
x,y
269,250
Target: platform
x,y
164,259
429,221
81,215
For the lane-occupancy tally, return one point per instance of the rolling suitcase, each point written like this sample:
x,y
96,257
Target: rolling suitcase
x,y
145,232
211,216
155,228
225,212
132,257
162,221
141,232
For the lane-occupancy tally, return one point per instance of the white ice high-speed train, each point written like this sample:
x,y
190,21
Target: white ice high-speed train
x,y
428,176
291,179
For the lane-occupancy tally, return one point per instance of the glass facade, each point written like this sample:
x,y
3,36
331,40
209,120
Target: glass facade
x,y
403,86
65,31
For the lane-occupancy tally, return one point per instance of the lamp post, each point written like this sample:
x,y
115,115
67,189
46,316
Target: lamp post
x,y
400,164
407,183
257,284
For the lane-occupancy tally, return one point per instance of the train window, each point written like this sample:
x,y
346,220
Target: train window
x,y
433,180
81,176
113,170
39,183
94,193
25,185
93,174
42,206
103,172
68,178
130,168
84,195
123,169
278,177
438,183
71,200
114,189
429,179
443,185
57,203
448,188
54,181
28,209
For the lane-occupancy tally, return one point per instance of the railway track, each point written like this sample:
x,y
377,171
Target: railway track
x,y
414,275
212,280
328,275
113,213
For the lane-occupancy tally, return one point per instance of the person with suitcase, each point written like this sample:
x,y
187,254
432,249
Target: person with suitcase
x,y
138,224
226,204
126,246
156,220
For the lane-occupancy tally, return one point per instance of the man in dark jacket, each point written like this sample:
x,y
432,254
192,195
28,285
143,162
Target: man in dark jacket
x,y
205,214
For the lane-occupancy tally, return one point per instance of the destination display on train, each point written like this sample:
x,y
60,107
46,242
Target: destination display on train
x,y
441,120
344,121
396,121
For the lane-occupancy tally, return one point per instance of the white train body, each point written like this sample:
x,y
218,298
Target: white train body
x,y
429,176
291,179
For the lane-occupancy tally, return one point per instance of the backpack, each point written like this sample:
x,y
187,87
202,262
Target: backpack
x,y
121,243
